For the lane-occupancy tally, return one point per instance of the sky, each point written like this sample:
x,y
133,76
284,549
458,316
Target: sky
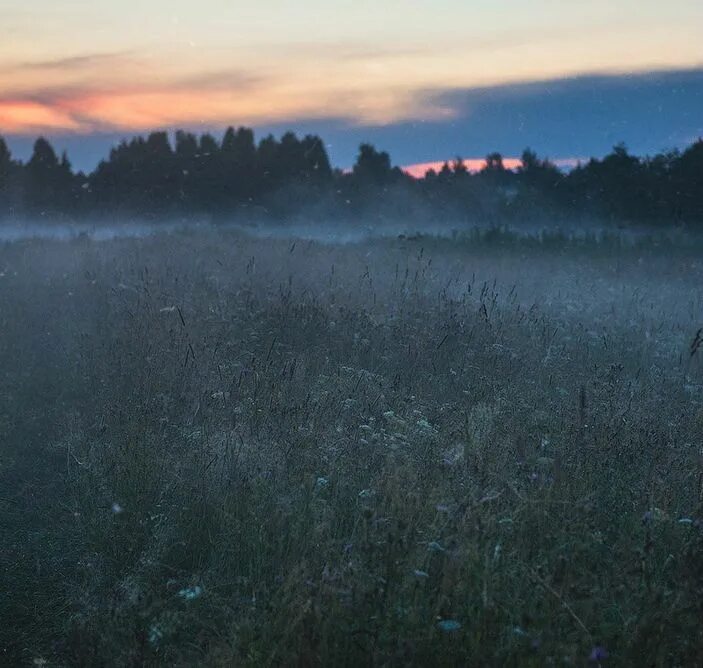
x,y
423,80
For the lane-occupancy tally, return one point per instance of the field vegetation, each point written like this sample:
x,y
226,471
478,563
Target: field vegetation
x,y
221,450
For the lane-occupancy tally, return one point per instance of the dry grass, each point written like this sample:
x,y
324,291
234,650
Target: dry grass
x,y
226,451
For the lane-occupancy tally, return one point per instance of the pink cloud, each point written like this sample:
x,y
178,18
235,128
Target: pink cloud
x,y
418,170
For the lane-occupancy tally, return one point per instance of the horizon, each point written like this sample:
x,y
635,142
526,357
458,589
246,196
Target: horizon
x,y
416,170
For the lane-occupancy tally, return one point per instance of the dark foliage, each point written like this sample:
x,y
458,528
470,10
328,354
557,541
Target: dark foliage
x,y
153,177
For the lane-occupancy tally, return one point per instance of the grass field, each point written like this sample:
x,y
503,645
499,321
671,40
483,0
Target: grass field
x,y
219,450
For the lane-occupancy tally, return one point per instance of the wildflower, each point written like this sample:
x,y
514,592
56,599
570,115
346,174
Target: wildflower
x,y
449,625
491,496
656,514
155,634
598,654
424,424
496,552
117,508
191,593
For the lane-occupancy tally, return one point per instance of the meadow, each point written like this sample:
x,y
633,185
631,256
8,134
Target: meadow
x,y
223,450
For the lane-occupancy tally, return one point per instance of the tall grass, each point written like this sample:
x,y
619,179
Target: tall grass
x,y
226,451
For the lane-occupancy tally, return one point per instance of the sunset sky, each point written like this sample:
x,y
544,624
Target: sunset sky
x,y
424,80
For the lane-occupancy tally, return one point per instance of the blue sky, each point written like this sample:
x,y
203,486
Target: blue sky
x,y
424,80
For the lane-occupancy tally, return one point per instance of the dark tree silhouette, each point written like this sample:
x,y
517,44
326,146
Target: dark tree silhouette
x,y
9,181
48,180
459,167
238,164
147,176
494,164
7,165
687,182
372,166
538,173
186,171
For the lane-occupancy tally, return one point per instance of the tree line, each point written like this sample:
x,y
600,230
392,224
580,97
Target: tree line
x,y
194,175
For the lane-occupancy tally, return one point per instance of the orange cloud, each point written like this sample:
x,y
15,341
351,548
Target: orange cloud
x,y
121,91
134,91
20,116
206,100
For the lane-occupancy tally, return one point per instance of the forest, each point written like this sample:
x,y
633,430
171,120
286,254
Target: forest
x,y
159,176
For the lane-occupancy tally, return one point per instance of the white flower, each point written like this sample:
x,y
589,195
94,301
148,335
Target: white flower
x,y
191,593
155,634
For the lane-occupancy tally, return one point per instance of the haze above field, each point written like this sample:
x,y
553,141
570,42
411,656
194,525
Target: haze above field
x,y
424,81
218,448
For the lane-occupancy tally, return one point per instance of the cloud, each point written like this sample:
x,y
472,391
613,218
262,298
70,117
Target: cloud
x,y
142,100
561,118
579,116
79,62
27,115
583,114
132,99
360,81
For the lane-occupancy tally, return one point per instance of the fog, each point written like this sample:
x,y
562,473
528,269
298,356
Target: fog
x,y
333,231
209,428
